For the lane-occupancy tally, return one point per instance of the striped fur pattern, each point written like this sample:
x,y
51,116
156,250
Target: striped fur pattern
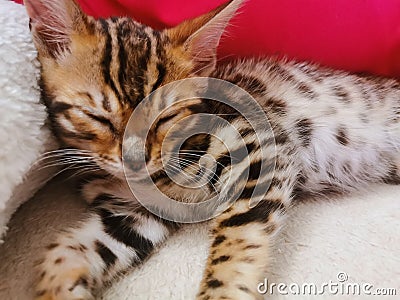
x,y
334,132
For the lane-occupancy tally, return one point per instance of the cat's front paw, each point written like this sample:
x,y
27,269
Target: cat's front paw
x,y
68,285
64,277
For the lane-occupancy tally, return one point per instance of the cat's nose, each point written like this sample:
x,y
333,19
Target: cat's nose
x,y
135,165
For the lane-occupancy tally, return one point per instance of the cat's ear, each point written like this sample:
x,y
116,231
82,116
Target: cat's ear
x,y
200,37
52,23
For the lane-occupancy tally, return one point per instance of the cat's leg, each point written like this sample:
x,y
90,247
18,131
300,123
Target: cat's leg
x,y
240,250
116,236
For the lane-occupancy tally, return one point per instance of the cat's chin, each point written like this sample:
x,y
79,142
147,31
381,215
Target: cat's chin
x,y
136,176
118,173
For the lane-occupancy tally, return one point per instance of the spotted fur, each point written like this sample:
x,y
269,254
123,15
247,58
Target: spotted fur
x,y
333,131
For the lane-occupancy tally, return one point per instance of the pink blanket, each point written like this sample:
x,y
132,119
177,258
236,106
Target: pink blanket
x,y
356,35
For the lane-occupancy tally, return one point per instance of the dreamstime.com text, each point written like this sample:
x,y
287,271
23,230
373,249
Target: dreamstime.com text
x,y
340,286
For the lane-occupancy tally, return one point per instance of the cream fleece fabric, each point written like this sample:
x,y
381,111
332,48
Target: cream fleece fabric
x,y
358,235
23,137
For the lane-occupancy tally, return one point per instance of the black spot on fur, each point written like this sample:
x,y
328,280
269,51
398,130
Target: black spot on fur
x,y
279,71
219,239
105,253
244,289
52,246
281,138
59,107
40,293
276,183
246,131
220,259
346,168
304,130
214,283
270,228
106,103
251,84
259,213
58,260
342,94
276,106
209,275
82,248
301,179
252,246
342,137
42,275
306,90
329,188
393,176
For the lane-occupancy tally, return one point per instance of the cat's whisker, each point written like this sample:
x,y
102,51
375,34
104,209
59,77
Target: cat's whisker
x,y
210,172
187,164
196,155
60,172
68,150
191,180
57,155
194,152
65,162
61,154
70,159
82,172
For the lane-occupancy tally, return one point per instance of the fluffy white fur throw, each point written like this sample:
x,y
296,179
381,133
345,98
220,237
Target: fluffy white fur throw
x,y
358,235
23,137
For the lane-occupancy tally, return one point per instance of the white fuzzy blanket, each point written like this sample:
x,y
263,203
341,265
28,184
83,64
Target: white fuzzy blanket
x,y
358,235
23,137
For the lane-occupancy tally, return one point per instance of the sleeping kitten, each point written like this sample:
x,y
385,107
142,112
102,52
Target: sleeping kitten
x,y
333,131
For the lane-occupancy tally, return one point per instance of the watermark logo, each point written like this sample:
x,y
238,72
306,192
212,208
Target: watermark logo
x,y
143,152
341,286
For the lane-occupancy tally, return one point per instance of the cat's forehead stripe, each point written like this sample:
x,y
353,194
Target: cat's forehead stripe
x,y
107,58
129,48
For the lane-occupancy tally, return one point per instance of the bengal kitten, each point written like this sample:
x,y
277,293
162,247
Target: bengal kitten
x,y
333,131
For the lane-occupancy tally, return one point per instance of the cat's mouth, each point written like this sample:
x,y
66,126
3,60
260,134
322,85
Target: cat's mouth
x,y
196,174
139,171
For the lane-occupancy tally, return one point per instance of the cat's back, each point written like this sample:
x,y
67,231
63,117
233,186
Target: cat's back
x,y
338,121
297,81
291,91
